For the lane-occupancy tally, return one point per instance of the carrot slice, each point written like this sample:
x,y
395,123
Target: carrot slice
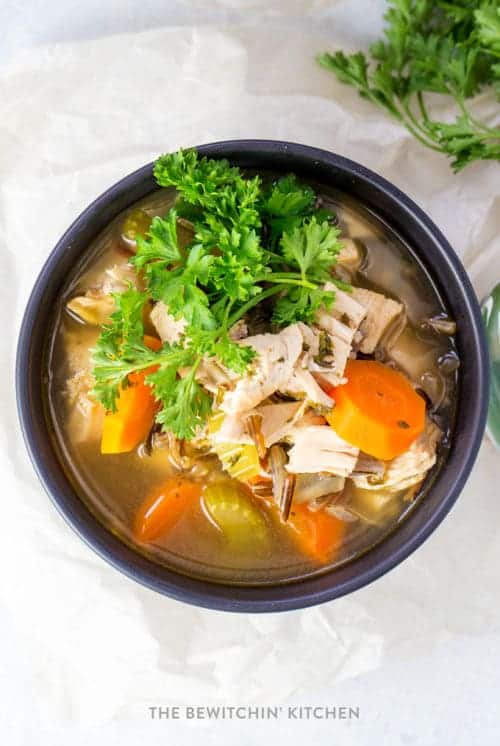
x,y
124,429
377,410
163,507
317,534
152,342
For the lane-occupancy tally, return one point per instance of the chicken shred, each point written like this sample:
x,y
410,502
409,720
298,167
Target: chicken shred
x,y
342,339
381,312
318,448
97,304
168,328
341,322
276,357
118,278
347,308
86,413
303,385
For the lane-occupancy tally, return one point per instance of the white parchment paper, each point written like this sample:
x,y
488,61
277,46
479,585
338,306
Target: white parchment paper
x,y
91,650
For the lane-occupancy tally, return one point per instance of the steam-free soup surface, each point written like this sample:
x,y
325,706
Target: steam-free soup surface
x,y
115,486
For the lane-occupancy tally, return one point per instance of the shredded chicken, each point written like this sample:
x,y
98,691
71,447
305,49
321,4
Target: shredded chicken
x,y
411,467
342,339
93,308
323,354
310,417
350,255
232,430
304,386
269,372
167,327
278,420
118,278
239,330
86,414
341,322
318,356
381,312
347,308
318,448
97,304
213,376
368,466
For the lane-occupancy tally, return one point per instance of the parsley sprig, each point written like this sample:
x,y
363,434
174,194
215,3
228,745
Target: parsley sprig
x,y
432,46
250,243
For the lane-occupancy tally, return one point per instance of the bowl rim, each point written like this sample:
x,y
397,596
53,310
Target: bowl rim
x,y
291,595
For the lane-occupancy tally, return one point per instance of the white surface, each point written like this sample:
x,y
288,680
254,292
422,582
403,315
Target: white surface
x,y
85,651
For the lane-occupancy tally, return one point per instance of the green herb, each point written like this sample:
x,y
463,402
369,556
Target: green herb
x,y
286,203
120,349
450,48
212,185
249,244
312,248
185,404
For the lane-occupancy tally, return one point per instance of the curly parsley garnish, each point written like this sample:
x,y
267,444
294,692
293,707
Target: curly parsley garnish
x,y
432,46
249,243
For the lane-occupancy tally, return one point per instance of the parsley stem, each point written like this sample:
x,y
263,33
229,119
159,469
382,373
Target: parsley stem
x,y
291,281
284,275
493,134
253,302
288,278
465,111
422,107
226,314
417,129
274,255
195,365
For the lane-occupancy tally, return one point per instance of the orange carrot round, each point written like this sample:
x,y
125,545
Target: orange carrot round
x,y
163,507
317,534
377,410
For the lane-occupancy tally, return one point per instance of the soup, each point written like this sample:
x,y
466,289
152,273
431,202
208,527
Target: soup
x,y
251,379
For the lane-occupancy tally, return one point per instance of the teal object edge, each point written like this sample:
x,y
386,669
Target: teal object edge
x,y
491,316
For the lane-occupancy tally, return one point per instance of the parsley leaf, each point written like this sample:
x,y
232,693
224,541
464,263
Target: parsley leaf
x,y
451,48
160,243
487,17
183,298
301,304
185,404
313,248
172,277
213,185
285,203
120,349
288,197
239,262
221,346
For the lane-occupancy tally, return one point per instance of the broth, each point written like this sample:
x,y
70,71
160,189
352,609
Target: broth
x,y
114,486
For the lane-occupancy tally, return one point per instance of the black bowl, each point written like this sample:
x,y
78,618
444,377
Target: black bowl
x,y
434,252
